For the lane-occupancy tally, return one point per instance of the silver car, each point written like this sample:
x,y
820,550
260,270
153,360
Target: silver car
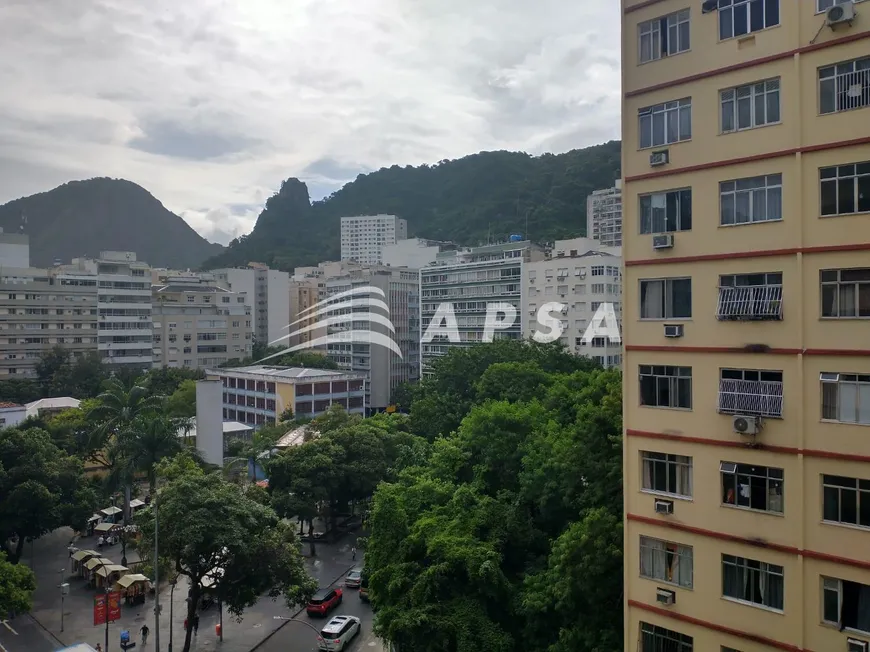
x,y
353,579
338,633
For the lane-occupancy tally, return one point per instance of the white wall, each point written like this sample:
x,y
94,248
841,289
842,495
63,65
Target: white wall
x,y
411,253
278,298
243,280
209,421
14,250
12,416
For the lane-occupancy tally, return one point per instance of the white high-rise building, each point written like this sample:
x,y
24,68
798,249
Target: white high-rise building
x,y
363,237
268,295
604,215
581,274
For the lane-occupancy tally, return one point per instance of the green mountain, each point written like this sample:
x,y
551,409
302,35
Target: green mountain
x,y
469,200
83,218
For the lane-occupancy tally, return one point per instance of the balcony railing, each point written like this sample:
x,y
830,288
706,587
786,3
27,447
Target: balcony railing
x,y
761,398
750,303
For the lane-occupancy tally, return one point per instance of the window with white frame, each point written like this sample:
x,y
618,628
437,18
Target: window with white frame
x,y
664,124
750,106
751,581
666,474
752,487
845,397
844,86
598,270
750,297
824,5
846,500
666,561
755,199
846,604
845,293
739,17
751,391
845,189
654,638
665,386
666,212
666,298
663,37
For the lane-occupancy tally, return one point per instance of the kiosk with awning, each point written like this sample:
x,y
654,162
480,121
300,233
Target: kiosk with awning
x,y
80,558
134,587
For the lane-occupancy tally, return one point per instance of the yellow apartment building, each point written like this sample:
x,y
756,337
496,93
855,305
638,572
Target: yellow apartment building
x,y
746,316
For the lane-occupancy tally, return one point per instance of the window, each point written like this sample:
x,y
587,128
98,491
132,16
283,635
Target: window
x,y
663,386
846,604
739,17
846,500
845,293
667,298
846,397
752,487
750,106
844,86
667,474
667,123
751,392
658,639
756,199
666,561
598,270
665,36
845,189
750,297
666,212
755,582
824,5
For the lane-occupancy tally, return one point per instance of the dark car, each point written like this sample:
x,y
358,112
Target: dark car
x,y
324,601
364,588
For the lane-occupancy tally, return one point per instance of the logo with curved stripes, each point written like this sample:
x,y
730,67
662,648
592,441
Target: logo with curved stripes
x,y
335,313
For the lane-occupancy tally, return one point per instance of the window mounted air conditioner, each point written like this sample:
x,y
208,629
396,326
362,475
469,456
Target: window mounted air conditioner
x,y
657,159
839,14
663,241
746,425
855,645
673,330
664,506
666,596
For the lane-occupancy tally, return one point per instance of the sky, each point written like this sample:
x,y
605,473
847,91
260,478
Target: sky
x,y
210,104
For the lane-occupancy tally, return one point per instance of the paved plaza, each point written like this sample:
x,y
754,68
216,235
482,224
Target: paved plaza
x,y
42,632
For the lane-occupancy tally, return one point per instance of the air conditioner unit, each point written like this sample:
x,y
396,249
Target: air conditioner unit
x,y
659,158
664,507
841,13
746,425
665,596
663,241
854,645
709,6
673,330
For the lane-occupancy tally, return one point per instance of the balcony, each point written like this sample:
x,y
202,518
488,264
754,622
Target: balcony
x,y
750,303
761,398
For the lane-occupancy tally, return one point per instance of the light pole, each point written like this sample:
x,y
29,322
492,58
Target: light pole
x,y
62,594
156,578
171,605
106,591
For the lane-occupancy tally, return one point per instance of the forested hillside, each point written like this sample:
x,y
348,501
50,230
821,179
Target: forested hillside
x,y
490,194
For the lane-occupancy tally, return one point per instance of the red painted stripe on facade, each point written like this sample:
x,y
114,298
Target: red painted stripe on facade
x,y
711,165
743,65
757,543
761,253
763,640
785,450
709,349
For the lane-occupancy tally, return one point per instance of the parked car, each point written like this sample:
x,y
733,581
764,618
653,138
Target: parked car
x,y
324,601
353,579
364,589
338,633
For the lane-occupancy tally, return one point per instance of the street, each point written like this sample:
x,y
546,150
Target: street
x,y
23,634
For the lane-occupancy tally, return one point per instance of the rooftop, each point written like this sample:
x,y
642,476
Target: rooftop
x,y
286,373
6,405
58,403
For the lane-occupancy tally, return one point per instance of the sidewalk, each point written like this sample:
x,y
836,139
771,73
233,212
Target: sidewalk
x,y
51,555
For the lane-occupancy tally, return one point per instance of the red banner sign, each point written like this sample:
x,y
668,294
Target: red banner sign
x,y
114,608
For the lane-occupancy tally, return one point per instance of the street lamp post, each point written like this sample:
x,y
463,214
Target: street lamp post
x,y
106,591
156,578
62,595
171,605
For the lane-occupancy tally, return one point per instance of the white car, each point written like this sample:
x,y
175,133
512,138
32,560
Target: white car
x,y
338,633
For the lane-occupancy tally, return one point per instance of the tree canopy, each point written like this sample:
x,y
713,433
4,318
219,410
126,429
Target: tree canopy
x,y
508,537
17,584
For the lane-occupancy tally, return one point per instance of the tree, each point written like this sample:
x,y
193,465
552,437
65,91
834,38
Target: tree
x,y
17,584
182,402
210,529
513,381
164,381
41,488
140,446
59,373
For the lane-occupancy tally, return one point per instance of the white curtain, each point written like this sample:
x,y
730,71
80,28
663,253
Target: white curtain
x,y
652,300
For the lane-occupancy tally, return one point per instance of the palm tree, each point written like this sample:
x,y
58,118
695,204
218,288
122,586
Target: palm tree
x,y
144,443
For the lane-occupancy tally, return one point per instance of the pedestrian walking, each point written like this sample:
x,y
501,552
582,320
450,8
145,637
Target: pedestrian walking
x,y
196,624
144,632
353,553
99,648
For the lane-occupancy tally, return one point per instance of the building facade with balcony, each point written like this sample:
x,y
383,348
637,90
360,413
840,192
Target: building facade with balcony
x,y
465,284
747,340
259,395
385,369
198,324
582,275
267,292
604,215
363,237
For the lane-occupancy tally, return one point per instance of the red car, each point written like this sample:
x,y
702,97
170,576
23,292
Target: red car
x,y
324,601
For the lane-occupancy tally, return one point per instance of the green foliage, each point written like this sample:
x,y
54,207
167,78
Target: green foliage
x,y
275,356
508,536
41,488
165,381
17,584
465,200
210,528
182,402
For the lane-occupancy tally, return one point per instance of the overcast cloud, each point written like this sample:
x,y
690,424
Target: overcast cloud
x,y
210,104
